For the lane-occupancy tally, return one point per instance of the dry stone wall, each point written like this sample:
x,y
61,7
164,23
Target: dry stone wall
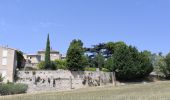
x,y
63,79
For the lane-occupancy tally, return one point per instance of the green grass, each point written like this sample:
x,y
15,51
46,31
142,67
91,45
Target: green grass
x,y
150,91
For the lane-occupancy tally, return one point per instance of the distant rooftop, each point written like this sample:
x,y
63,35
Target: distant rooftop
x,y
51,51
6,47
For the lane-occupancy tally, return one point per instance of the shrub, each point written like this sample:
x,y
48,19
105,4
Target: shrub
x,y
28,68
60,64
105,70
90,69
41,65
1,78
9,89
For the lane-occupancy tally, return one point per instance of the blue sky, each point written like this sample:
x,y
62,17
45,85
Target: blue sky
x,y
24,24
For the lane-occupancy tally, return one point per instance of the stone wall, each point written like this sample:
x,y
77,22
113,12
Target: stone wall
x,y
63,79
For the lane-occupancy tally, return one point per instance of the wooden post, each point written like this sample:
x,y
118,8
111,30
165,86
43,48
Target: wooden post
x,y
71,83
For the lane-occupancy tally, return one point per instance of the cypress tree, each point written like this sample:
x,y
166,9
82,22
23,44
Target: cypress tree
x,y
47,54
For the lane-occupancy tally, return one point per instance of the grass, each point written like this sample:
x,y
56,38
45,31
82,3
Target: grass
x,y
150,91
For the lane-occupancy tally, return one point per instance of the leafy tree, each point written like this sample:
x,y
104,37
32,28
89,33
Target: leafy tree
x,y
159,64
75,56
99,61
164,65
167,60
109,64
128,62
47,54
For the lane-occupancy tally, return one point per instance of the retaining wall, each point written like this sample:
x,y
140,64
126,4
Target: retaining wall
x,y
63,79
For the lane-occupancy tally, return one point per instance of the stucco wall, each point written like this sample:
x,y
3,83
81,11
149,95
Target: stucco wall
x,y
9,68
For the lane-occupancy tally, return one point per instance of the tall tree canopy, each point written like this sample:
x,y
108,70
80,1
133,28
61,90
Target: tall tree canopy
x,y
128,62
75,56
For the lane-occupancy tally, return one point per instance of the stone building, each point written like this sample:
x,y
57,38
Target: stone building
x,y
53,55
33,59
8,63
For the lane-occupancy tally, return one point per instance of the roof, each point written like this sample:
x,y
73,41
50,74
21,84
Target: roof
x,y
6,47
52,51
32,55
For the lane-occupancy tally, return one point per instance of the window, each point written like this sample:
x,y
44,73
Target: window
x,y
4,61
5,52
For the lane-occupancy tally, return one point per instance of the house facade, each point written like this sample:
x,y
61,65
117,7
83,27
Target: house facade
x,y
8,63
32,60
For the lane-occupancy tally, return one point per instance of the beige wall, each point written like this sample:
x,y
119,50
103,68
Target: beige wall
x,y
8,69
53,56
33,58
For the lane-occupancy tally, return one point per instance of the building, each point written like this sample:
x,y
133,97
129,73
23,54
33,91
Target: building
x,y
32,60
8,63
53,55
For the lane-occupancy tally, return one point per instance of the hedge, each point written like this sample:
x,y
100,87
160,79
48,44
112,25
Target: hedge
x,y
9,89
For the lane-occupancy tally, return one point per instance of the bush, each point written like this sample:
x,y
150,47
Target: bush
x,y
28,68
90,69
60,64
1,78
9,89
105,70
41,65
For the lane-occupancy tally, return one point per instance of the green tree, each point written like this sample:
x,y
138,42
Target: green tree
x,y
164,65
128,62
75,56
99,61
47,54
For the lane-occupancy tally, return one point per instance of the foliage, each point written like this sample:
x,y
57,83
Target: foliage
x,y
128,62
8,89
90,69
164,65
75,56
47,55
99,61
105,70
1,78
167,61
29,68
60,64
20,59
109,64
41,65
